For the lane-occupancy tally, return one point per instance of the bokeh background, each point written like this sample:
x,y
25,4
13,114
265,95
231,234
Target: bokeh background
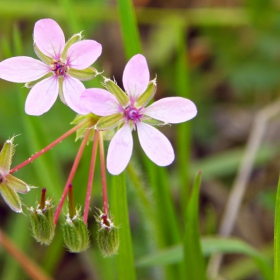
x,y
222,54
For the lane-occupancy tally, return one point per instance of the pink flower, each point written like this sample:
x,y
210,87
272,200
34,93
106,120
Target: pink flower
x,y
127,110
60,71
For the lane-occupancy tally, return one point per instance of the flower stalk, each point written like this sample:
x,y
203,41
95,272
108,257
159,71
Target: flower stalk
x,y
103,175
50,146
91,175
71,175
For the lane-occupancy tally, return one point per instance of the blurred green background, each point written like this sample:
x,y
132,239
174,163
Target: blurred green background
x,y
222,54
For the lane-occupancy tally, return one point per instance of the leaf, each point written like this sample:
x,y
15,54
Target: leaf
x,y
193,259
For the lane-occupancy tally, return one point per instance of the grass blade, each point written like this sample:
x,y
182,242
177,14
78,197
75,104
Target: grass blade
x,y
119,210
193,258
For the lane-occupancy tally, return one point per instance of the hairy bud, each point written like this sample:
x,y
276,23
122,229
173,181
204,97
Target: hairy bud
x,y
41,218
75,233
107,236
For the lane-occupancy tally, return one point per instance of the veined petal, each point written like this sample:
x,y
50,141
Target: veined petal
x,y
72,90
120,150
11,198
100,102
41,97
49,37
171,110
22,69
136,76
156,146
6,155
83,54
16,184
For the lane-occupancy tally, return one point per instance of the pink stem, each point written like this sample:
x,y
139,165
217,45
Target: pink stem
x,y
57,141
103,176
71,175
91,175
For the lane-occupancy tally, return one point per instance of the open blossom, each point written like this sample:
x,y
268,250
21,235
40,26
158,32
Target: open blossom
x,y
62,68
10,185
127,110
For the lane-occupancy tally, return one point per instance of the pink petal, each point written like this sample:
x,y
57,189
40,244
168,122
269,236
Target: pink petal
x,y
72,90
120,150
49,38
42,96
136,76
156,146
83,54
100,102
171,110
22,69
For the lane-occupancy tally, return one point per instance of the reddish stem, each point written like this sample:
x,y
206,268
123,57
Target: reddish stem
x,y
103,175
27,265
71,175
91,175
57,141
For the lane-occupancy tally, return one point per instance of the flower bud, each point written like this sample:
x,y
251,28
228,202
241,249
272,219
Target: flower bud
x,y
75,233
107,236
41,218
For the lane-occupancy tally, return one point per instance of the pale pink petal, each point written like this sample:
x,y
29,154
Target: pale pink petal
x,y
136,76
100,102
171,110
49,38
22,69
156,146
42,96
83,54
72,90
120,150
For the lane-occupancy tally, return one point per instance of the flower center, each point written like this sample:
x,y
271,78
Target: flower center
x,y
59,68
132,114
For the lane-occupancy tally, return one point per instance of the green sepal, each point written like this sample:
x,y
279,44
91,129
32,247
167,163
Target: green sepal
x,y
153,122
75,234
83,75
92,119
11,198
112,87
108,241
16,184
60,89
33,83
107,235
46,59
6,155
149,93
109,122
42,223
74,39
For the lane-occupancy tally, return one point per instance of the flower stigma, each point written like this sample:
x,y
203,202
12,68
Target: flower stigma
x,y
133,114
59,68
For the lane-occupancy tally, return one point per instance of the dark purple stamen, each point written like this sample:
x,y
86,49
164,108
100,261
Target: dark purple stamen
x,y
132,114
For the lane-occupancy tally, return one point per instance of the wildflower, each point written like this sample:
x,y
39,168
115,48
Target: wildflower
x,y
62,68
10,185
127,110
